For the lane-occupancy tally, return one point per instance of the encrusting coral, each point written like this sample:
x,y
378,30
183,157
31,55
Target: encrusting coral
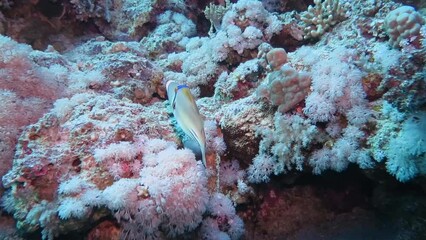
x,y
403,23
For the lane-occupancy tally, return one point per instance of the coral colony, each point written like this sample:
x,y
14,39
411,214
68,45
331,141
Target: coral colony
x,y
214,119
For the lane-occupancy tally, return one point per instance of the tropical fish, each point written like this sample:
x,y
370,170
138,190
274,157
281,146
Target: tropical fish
x,y
187,115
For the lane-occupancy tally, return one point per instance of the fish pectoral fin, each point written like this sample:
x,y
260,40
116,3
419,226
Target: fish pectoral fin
x,y
193,135
173,103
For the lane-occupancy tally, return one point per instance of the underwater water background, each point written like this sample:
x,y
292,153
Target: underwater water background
x,y
212,119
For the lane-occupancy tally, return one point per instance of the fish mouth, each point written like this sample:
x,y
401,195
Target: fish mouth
x,y
168,83
171,94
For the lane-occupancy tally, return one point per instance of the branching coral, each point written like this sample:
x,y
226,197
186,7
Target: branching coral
x,y
214,13
322,17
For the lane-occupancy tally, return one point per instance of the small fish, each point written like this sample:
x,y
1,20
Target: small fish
x,y
187,115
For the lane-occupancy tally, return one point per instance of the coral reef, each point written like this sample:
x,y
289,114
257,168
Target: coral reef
x,y
314,118
118,20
